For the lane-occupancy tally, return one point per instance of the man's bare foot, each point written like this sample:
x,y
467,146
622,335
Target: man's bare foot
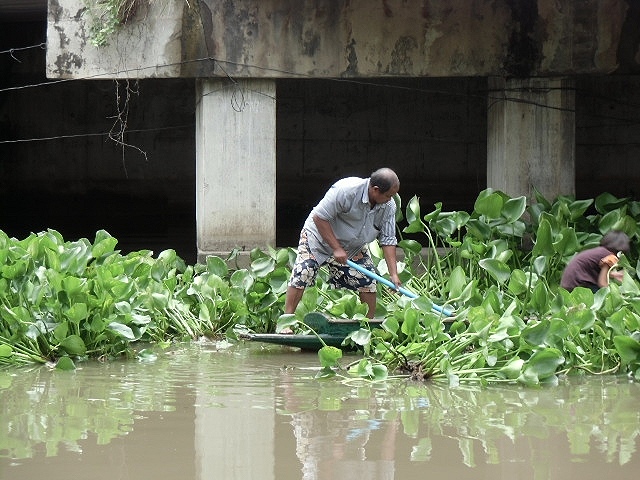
x,y
286,331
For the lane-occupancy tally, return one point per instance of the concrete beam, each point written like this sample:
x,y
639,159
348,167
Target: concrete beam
x,y
351,38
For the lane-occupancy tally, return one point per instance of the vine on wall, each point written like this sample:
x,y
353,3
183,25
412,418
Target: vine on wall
x,y
107,16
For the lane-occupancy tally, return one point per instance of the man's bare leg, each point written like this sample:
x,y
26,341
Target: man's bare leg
x,y
370,299
291,301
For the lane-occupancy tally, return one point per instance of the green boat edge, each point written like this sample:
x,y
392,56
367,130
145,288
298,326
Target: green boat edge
x,y
332,331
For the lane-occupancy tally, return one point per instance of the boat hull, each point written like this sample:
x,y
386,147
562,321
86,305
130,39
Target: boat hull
x,y
331,331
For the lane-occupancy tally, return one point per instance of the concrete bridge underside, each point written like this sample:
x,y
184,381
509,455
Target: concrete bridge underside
x,y
530,51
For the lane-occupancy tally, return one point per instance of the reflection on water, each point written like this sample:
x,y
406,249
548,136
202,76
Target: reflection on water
x,y
207,411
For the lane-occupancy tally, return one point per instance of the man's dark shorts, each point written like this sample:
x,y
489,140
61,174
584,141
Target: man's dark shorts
x,y
305,270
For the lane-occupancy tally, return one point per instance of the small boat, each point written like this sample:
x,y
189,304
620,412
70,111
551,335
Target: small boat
x,y
332,331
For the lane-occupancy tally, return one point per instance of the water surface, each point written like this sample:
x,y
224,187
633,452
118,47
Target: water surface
x,y
250,411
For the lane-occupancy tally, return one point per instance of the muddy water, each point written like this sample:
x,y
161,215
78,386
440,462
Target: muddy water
x,y
212,411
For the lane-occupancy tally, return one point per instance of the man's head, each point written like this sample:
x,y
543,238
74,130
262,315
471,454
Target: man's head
x,y
616,241
383,185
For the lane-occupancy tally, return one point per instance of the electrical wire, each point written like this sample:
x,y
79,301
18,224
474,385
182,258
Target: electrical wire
x,y
238,102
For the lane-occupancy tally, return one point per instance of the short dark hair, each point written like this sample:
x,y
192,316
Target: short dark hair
x,y
616,241
384,179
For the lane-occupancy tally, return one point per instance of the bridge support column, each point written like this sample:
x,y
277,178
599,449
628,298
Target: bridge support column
x,y
531,137
235,165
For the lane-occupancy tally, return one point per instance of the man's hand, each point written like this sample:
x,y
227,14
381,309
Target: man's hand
x,y
617,275
329,237
340,255
395,279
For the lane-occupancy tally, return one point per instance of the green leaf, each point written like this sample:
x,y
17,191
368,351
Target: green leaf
x,y
536,334
498,270
5,351
411,246
410,322
583,318
628,349
540,298
582,295
279,279
15,270
122,330
73,345
430,217
61,331
241,278
371,371
513,369
19,314
605,202
541,365
361,336
457,282
567,242
217,266
478,229
103,246
77,312
262,267
286,320
609,221
544,240
391,325
329,356
489,204
65,363
413,210
518,282
158,271
578,207
540,265
413,216
282,257
514,208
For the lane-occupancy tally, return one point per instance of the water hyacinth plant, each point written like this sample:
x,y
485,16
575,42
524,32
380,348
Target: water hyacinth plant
x,y
498,268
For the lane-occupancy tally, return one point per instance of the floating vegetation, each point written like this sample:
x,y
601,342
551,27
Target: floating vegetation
x,y
498,268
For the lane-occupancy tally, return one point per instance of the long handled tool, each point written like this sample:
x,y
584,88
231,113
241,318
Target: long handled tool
x,y
390,284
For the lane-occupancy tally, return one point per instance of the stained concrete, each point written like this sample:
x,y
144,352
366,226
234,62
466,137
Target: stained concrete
x,y
433,130
351,38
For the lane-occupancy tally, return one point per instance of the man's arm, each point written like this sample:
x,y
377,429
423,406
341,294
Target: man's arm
x,y
606,264
328,236
389,252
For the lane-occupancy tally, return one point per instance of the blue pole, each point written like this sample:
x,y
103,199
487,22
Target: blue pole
x,y
390,284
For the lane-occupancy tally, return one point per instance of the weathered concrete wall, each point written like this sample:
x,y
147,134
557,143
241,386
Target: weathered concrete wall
x,y
352,38
149,46
432,130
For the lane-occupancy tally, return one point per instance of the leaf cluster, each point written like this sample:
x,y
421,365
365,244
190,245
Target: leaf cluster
x,y
499,268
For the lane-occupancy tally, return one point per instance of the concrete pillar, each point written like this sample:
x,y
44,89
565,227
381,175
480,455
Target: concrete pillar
x,y
235,165
531,137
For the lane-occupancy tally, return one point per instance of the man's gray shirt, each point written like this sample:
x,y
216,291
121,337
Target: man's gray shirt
x,y
346,207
